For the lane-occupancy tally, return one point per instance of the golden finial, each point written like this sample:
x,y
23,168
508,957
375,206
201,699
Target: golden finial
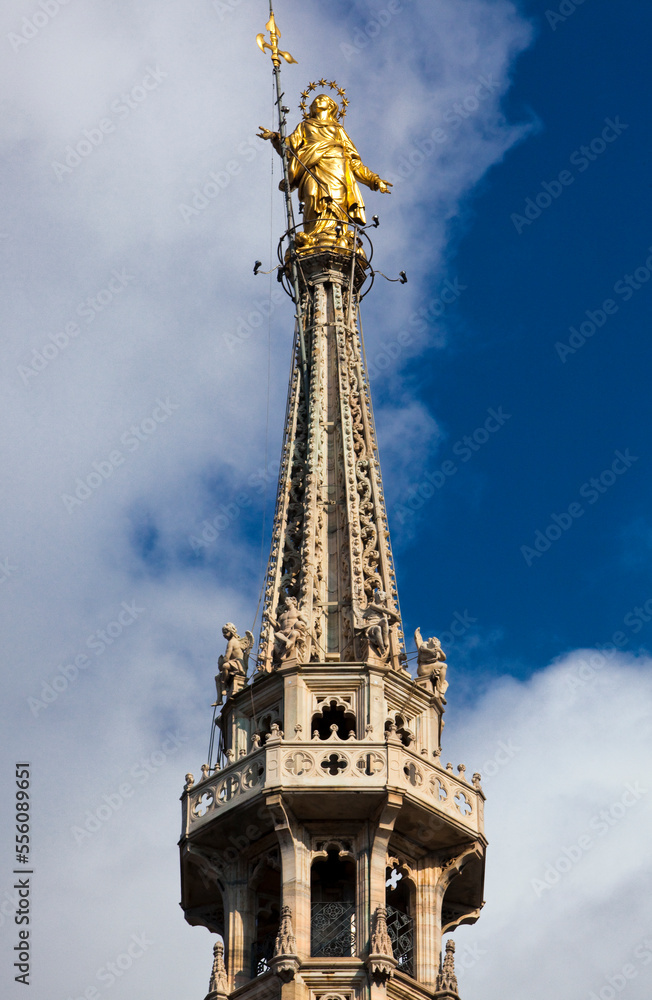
x,y
274,35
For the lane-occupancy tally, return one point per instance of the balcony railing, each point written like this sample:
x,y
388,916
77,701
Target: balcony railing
x,y
400,928
332,930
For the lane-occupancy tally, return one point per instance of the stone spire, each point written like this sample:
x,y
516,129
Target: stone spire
x,y
330,572
218,987
446,987
285,961
327,834
381,962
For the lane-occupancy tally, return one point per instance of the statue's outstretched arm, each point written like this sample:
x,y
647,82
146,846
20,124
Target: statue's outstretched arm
x,y
274,137
368,177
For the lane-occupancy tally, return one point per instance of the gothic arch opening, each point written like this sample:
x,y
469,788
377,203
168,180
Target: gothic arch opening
x,y
266,886
399,901
332,906
333,714
405,734
265,724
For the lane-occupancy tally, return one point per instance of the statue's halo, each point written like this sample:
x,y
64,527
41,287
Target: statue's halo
x,y
324,83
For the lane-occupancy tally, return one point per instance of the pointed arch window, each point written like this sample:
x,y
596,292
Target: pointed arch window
x,y
400,921
332,906
266,884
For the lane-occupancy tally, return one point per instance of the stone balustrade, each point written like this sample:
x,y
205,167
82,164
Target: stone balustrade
x,y
340,765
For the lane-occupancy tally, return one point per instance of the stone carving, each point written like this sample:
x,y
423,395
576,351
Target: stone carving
x,y
284,567
373,622
190,780
291,631
381,962
221,789
431,663
219,985
285,961
233,664
330,507
446,984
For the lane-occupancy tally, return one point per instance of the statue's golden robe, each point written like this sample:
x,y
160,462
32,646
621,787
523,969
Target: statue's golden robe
x,y
324,149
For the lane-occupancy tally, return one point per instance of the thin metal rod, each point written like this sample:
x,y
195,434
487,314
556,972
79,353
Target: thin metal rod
x,y
289,212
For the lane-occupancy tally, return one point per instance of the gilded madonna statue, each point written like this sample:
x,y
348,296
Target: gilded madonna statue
x,y
326,169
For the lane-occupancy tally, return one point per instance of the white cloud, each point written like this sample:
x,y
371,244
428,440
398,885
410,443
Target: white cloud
x,y
569,805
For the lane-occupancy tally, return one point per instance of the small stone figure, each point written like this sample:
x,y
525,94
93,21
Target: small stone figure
x,y
291,631
233,664
374,622
431,662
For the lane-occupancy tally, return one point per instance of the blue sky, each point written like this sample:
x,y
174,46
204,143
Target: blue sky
x,y
143,389
526,286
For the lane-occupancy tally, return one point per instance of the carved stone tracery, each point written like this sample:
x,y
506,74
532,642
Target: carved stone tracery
x,y
330,547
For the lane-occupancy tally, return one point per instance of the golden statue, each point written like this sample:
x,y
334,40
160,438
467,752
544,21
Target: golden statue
x,y
326,168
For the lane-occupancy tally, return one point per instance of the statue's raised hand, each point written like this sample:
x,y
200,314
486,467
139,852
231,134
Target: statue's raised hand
x,y
384,186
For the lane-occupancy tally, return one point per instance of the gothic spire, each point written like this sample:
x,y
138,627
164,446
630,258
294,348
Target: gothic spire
x,y
446,987
218,987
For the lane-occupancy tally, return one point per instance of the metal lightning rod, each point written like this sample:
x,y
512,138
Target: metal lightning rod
x,y
276,56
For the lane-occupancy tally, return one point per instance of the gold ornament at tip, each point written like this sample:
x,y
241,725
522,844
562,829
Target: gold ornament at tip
x,y
303,106
274,35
